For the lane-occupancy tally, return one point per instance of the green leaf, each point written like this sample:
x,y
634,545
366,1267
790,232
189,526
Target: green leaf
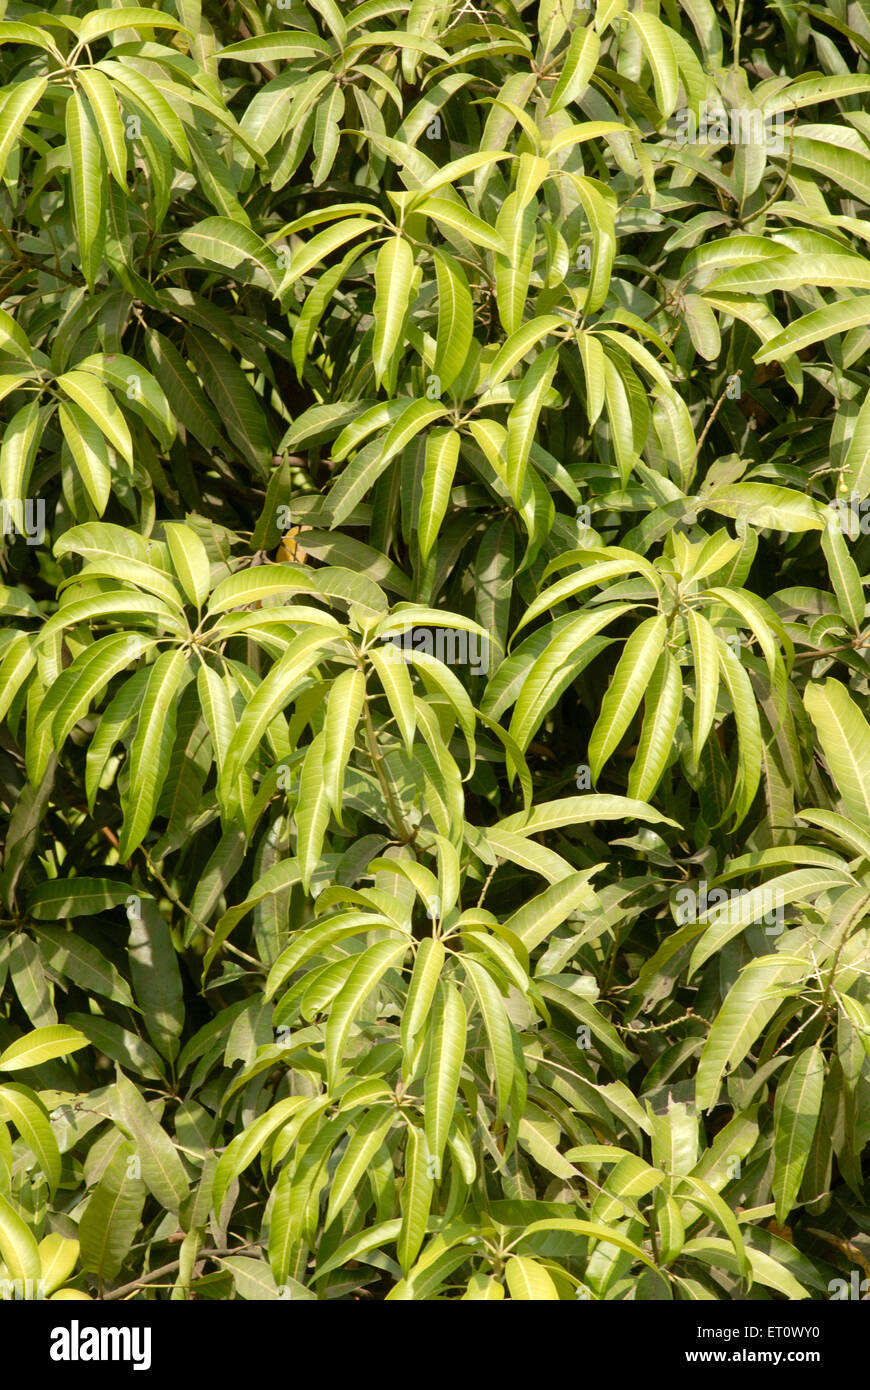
x,y
271,696
561,660
633,673
109,1222
765,505
416,1198
542,914
104,106
709,1200
75,959
59,1256
313,807
428,965
268,48
57,1040
523,419
228,243
13,339
87,181
342,717
155,976
516,226
20,441
749,1006
17,1246
243,1149
367,972
442,453
580,810
95,401
444,1066
662,702
656,43
529,1280
581,59
183,392
238,405
748,731
98,23
455,319
190,561
394,271
14,113
90,453
151,749
498,1031
367,1137
455,215
845,577
845,738
392,672
705,659
796,1113
137,89
162,1169
30,1117
813,327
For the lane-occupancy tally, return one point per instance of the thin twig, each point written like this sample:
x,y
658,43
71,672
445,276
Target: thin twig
x,y
818,653
167,1269
170,893
715,411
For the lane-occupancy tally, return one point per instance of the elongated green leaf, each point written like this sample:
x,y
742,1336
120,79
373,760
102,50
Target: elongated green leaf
x,y
625,692
91,396
342,717
498,1031
393,277
393,675
108,1224
162,1169
796,1113
56,1040
662,703
750,1005
812,327
271,697
367,1138
87,178
455,319
416,1198
705,658
312,812
14,114
228,243
580,62
151,749
442,453
444,1068
20,440
30,1117
190,560
155,976
17,1246
845,738
244,1147
529,1280
369,969
77,960
104,105
90,453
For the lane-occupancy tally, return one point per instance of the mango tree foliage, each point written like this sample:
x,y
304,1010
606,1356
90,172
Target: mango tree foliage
x,y
434,755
